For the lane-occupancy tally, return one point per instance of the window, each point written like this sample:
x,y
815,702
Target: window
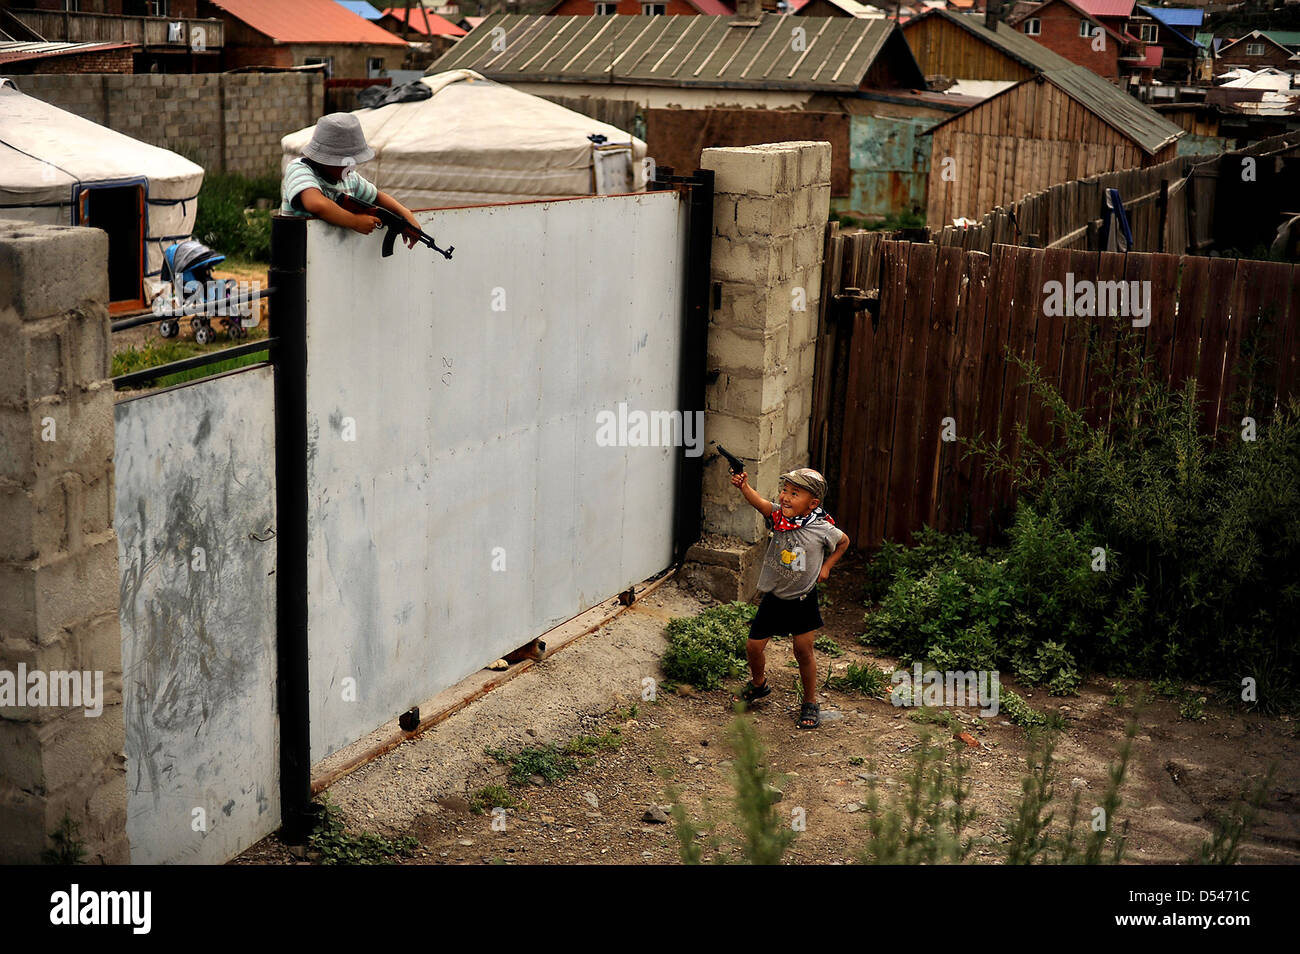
x,y
1148,32
1085,28
653,9
606,9
1254,49
374,66
327,61
72,6
1033,26
158,8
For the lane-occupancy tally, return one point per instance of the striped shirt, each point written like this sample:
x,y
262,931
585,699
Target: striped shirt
x,y
298,175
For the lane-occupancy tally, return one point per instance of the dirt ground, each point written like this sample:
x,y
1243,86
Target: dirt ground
x,y
1181,771
141,335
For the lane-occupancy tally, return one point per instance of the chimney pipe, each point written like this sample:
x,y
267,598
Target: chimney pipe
x,y
991,14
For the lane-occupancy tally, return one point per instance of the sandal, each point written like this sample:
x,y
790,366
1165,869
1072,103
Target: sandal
x,y
753,693
810,715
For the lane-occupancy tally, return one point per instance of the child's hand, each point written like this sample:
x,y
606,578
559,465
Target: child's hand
x,y
739,480
824,575
409,239
365,224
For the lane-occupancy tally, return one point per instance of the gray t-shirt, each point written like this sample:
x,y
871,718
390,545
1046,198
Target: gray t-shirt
x,y
794,558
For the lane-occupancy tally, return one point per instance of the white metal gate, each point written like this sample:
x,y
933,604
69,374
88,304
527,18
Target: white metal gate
x,y
462,497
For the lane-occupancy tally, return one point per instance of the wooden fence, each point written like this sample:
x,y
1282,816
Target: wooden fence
x,y
885,390
1170,207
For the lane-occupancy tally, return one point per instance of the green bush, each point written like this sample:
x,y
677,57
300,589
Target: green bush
x,y
709,648
1139,548
226,224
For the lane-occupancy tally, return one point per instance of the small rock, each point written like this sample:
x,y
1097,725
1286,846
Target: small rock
x,y
647,854
465,842
868,776
592,799
853,807
532,732
499,665
547,819
655,816
692,760
536,780
775,793
1078,783
831,715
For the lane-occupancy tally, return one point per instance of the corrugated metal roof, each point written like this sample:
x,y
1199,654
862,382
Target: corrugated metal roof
x,y
424,21
307,21
1112,105
1137,121
1175,16
1107,8
679,51
20,50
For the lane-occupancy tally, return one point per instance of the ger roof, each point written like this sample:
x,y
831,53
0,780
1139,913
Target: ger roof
x,y
681,51
1136,121
307,21
1006,38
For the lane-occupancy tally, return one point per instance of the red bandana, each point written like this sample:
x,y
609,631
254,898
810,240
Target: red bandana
x,y
779,521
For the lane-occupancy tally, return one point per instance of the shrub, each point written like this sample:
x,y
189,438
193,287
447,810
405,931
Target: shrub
x,y
224,221
706,649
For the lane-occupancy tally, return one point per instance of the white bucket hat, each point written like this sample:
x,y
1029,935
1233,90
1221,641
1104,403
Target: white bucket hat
x,y
338,141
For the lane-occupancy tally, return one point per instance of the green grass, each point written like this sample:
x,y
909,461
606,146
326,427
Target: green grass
x,y
548,761
338,846
164,351
492,796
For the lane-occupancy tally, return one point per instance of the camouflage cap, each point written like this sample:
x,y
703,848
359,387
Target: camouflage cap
x,y
809,479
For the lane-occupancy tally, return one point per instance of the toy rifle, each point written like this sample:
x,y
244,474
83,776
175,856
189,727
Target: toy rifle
x,y
394,223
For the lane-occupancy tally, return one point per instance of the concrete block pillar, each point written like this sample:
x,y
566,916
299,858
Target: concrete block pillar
x,y
60,641
771,205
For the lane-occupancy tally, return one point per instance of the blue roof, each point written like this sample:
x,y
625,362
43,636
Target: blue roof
x,y
1176,16
360,8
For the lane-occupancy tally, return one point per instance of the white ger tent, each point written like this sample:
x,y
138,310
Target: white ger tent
x,y
60,169
479,141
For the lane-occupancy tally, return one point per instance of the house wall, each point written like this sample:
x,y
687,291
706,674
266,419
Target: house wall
x,y
1274,56
678,137
1024,140
176,8
944,49
105,61
1060,34
586,8
226,123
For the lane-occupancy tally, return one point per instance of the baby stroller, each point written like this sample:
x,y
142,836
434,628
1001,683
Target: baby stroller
x,y
192,261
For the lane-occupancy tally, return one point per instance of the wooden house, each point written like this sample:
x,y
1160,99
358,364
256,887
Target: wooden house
x,y
1059,125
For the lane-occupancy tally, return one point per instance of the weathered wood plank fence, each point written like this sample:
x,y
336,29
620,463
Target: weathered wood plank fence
x,y
916,347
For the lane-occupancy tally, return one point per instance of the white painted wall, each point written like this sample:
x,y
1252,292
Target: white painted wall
x,y
195,468
475,439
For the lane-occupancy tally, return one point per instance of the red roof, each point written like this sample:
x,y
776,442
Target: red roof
x,y
712,8
1107,8
422,21
1152,57
307,21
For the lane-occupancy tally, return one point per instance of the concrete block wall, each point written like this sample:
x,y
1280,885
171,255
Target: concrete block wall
x,y
59,581
226,122
771,205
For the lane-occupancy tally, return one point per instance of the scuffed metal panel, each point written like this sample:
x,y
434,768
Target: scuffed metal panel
x,y
195,468
890,162
473,509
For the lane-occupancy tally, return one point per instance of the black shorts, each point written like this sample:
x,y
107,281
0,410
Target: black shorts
x,y
778,617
